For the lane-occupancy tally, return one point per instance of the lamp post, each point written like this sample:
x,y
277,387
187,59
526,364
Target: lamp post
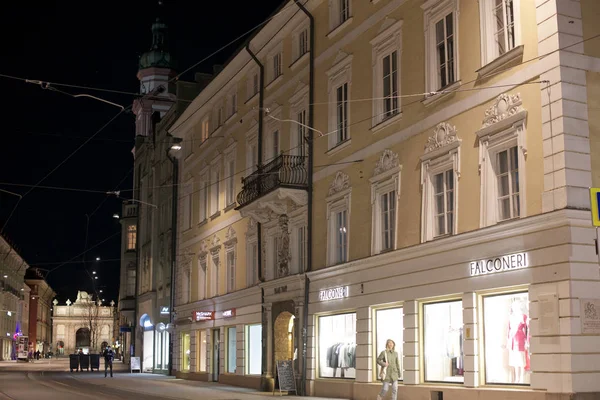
x,y
175,147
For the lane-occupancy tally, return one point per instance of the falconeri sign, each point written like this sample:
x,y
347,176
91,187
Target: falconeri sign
x,y
498,264
333,293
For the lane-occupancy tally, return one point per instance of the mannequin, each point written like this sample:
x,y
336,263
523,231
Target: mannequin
x,y
517,342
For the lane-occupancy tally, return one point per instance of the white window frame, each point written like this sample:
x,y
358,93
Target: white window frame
x,y
252,84
216,176
434,11
251,151
229,176
202,281
297,223
131,237
383,45
215,254
504,127
276,51
273,125
299,104
489,48
231,255
339,199
130,281
300,37
187,206
442,153
335,14
203,196
232,103
338,75
252,261
205,128
386,177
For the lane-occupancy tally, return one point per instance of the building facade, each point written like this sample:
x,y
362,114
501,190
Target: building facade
x,y
40,303
85,324
147,218
14,300
412,170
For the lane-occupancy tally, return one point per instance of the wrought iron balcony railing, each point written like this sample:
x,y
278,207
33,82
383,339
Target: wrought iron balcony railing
x,y
284,171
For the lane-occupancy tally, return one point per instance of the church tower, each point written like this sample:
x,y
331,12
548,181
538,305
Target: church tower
x,y
156,69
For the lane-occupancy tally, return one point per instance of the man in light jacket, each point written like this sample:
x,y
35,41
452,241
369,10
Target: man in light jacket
x,y
389,361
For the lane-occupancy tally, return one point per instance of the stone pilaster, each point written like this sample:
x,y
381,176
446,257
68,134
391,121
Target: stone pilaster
x,y
412,364
470,340
193,343
364,345
240,348
565,129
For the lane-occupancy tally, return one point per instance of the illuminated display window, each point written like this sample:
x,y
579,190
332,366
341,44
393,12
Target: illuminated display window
x,y
443,342
389,325
231,350
337,346
201,349
506,339
185,347
253,349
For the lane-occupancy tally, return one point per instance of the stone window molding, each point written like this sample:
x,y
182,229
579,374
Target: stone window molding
x,y
215,258
388,41
441,153
386,178
503,127
340,73
298,104
338,199
434,11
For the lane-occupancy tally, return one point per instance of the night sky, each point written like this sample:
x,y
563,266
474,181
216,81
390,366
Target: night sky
x,y
94,44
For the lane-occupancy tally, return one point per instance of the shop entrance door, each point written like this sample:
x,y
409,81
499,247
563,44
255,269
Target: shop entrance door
x,y
215,355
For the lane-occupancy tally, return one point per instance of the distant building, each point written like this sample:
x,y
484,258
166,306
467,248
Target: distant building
x,y
85,324
40,298
14,302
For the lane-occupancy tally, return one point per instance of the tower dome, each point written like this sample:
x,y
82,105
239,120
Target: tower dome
x,y
158,56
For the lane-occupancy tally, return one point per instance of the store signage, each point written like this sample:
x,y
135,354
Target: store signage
x,y
229,313
203,315
334,293
498,264
164,310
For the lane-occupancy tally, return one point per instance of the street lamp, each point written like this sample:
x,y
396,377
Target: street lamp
x,y
95,277
100,290
94,272
116,216
97,258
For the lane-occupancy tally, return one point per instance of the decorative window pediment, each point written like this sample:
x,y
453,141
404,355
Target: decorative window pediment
x,y
340,183
387,162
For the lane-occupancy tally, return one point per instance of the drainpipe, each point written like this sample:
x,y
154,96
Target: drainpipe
x,y
261,278
311,97
174,204
133,334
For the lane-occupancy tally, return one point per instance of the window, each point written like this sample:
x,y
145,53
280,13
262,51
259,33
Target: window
x,y
203,197
337,346
300,42
188,146
443,342
232,100
220,116
202,282
441,40
230,271
338,213
215,190
201,349
507,176
185,350
131,237
251,154
275,144
385,188
253,349
187,205
214,278
503,153
252,256
231,350
253,84
130,282
390,84
506,338
230,185
205,132
439,173
339,97
276,66
339,12
443,200
500,28
389,325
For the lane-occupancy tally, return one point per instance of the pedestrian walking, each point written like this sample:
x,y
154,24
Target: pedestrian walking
x,y
109,356
389,362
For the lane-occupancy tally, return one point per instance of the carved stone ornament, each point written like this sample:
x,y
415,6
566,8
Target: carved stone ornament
x,y
68,302
340,182
387,161
203,247
506,105
230,234
215,241
251,230
185,261
283,252
443,135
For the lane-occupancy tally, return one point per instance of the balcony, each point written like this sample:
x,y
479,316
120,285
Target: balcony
x,y
276,187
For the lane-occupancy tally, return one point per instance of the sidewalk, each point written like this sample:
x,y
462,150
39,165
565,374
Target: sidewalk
x,y
51,364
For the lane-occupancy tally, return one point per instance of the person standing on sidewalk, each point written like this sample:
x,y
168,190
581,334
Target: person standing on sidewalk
x,y
109,356
389,362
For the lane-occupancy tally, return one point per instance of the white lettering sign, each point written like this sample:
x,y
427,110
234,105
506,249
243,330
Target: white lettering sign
x,y
334,293
229,313
498,264
164,310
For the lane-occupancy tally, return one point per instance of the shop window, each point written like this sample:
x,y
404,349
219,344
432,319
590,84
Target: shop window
x,y
337,346
443,342
390,325
506,339
231,350
185,349
201,351
253,349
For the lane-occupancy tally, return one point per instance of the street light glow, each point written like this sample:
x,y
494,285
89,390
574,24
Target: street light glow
x,y
95,277
97,258
94,272
116,216
176,147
